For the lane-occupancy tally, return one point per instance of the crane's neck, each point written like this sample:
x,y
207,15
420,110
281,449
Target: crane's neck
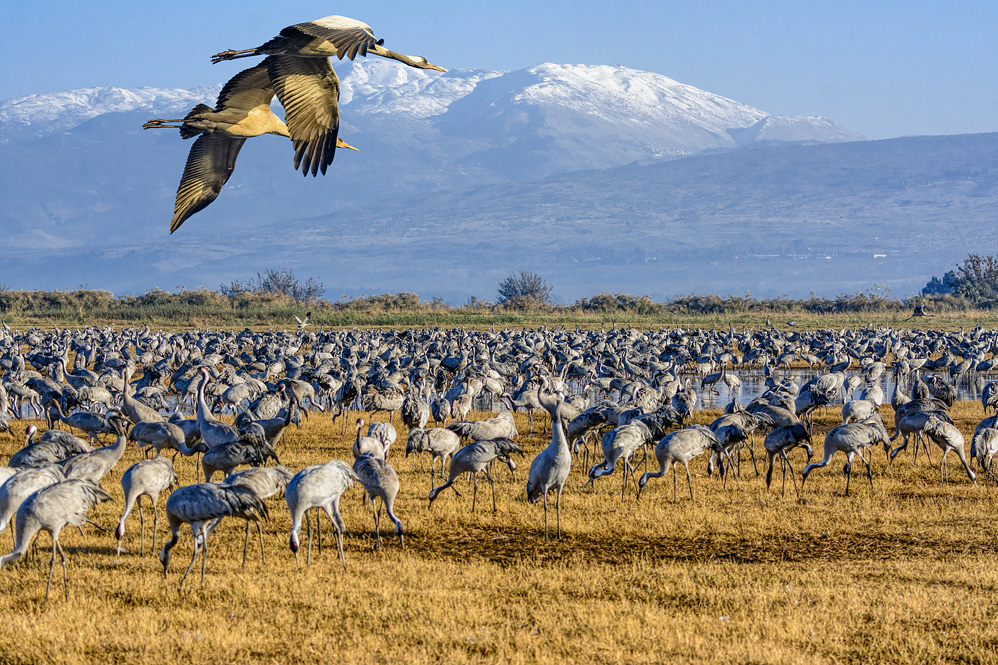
x,y
204,413
24,538
401,57
118,447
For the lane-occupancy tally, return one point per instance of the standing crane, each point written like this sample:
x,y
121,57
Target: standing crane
x,y
438,441
132,408
50,509
197,505
21,485
778,442
213,431
473,458
681,447
549,470
380,481
264,482
319,486
146,478
852,439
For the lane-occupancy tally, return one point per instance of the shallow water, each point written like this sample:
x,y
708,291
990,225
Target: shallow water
x,y
969,387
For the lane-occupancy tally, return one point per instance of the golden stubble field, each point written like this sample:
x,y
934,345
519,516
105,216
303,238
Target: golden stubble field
x,y
735,576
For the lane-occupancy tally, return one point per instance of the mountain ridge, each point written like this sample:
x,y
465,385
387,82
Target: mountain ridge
x,y
572,171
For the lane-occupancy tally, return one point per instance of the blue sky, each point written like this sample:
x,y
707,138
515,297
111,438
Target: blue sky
x,y
882,69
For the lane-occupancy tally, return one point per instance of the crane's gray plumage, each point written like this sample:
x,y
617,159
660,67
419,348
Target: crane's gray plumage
x,y
163,436
242,111
440,442
385,433
146,478
319,486
681,446
330,36
474,458
197,505
50,509
549,470
949,438
132,408
781,440
23,484
213,431
97,463
264,482
852,439
53,446
250,448
367,445
381,482
618,445
499,426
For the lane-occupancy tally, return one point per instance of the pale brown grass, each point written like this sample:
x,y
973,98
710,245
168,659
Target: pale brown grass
x,y
906,575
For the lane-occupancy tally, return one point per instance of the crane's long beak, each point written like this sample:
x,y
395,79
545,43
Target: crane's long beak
x,y
343,144
439,69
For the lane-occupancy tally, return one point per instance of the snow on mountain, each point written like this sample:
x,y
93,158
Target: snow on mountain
x,y
794,128
575,171
382,87
36,116
613,93
636,114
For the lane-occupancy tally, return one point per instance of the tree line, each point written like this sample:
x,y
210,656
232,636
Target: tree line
x,y
277,293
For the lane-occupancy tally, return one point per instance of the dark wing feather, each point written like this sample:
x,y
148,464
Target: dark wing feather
x,y
209,165
247,90
348,35
309,91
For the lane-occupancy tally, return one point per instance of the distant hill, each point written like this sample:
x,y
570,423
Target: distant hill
x,y
599,178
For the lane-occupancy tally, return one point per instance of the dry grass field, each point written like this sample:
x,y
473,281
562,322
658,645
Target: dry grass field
x,y
908,574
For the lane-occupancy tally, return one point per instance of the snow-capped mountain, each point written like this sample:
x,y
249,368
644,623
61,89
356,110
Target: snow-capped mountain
x,y
37,116
602,116
597,177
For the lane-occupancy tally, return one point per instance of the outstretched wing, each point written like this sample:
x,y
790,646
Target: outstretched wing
x,y
309,91
247,90
209,165
348,35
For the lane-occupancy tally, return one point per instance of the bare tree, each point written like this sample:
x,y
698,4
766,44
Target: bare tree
x,y
523,289
281,282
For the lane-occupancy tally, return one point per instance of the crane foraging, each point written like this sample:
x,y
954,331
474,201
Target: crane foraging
x,y
682,446
146,478
473,458
852,439
318,486
50,509
197,505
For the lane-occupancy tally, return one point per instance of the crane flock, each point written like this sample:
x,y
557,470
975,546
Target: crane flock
x,y
630,389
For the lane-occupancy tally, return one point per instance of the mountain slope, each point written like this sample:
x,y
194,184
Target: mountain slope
x,y
774,219
598,177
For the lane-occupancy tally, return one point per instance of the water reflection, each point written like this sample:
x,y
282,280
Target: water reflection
x,y
968,387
